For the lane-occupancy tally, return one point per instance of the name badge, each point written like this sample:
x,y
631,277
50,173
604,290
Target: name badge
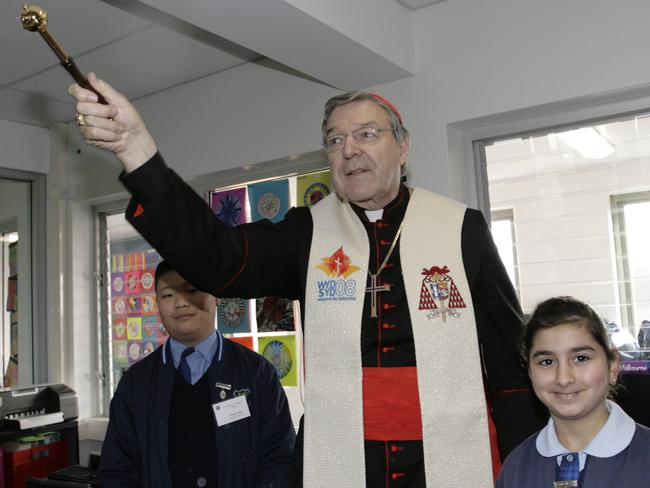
x,y
565,484
230,411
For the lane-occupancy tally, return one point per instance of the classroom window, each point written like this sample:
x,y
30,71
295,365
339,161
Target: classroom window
x,y
23,288
503,233
630,214
9,297
564,186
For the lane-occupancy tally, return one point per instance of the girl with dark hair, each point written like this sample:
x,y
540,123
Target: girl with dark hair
x,y
589,440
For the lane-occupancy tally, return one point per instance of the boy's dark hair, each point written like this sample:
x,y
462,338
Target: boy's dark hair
x,y
566,310
162,268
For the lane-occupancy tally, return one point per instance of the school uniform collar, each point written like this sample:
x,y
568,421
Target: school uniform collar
x,y
612,438
209,348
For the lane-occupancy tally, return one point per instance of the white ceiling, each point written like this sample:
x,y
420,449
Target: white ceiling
x,y
143,47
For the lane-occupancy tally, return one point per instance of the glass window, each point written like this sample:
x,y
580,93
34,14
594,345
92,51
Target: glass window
x,y
135,328
575,233
9,297
630,213
503,233
21,279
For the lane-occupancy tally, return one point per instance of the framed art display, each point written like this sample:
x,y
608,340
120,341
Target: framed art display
x,y
269,324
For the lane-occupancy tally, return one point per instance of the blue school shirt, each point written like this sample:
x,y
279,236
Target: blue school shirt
x,y
201,359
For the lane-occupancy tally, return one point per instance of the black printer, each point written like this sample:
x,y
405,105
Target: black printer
x,y
37,406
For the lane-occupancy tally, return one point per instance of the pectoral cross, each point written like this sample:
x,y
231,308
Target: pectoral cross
x,y
373,289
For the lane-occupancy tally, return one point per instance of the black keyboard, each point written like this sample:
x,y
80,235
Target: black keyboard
x,y
80,474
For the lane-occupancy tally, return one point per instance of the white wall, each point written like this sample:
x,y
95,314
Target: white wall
x,y
15,204
24,147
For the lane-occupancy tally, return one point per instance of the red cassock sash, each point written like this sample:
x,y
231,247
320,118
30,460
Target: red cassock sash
x,y
391,404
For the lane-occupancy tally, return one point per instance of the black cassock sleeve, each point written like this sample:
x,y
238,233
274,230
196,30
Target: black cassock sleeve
x,y
515,410
247,261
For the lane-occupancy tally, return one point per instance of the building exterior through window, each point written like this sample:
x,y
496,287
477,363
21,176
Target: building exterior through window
x,y
578,202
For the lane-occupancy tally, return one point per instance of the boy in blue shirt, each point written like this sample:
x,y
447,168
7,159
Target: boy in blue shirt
x,y
200,410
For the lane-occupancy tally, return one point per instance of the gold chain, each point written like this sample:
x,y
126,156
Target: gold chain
x,y
390,251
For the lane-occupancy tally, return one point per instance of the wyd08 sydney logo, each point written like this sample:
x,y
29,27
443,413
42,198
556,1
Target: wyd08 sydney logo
x,y
338,268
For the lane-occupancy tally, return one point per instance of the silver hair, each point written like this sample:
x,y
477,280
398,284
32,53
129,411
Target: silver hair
x,y
399,131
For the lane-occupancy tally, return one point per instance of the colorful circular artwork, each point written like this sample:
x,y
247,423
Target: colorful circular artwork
x,y
133,329
119,306
134,351
149,328
274,313
118,284
147,280
120,351
231,311
280,356
315,193
268,205
148,303
228,209
134,304
131,282
119,329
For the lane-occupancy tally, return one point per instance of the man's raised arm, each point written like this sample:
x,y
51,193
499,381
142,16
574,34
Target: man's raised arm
x,y
116,127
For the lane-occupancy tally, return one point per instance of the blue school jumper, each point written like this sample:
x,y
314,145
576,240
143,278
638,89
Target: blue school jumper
x,y
619,456
253,452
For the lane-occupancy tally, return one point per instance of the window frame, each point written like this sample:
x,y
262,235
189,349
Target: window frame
x,y
508,214
6,227
35,314
625,292
622,299
104,370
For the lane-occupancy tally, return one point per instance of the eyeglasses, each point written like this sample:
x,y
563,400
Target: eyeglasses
x,y
363,135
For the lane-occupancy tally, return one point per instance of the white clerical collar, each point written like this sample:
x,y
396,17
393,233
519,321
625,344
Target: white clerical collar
x,y
374,215
612,438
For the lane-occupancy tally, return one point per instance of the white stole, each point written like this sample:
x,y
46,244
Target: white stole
x,y
452,400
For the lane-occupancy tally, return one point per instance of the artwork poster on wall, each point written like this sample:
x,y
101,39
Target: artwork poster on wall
x,y
281,352
229,206
313,187
269,200
274,314
136,328
233,316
